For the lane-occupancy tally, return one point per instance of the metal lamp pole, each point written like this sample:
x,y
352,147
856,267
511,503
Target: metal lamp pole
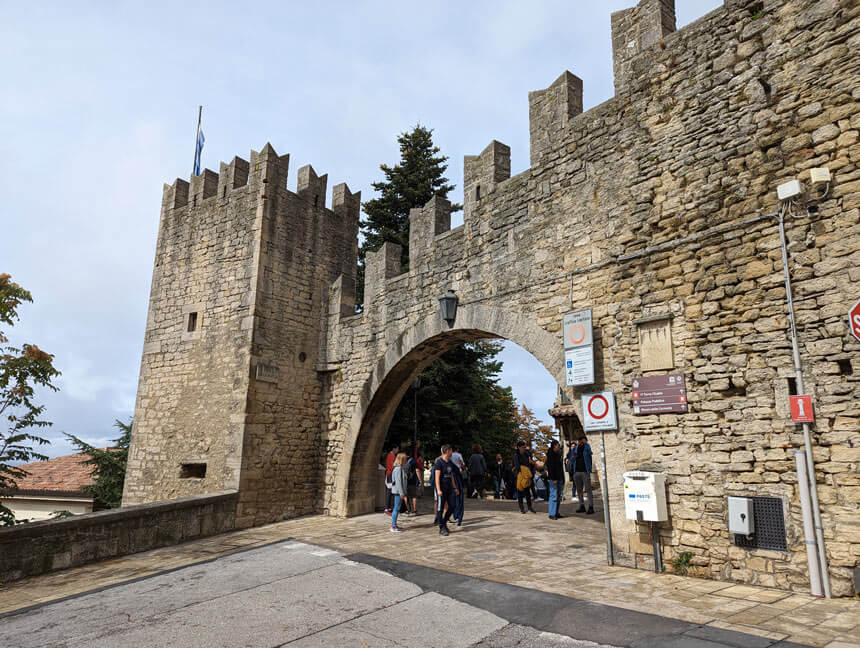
x,y
798,372
415,385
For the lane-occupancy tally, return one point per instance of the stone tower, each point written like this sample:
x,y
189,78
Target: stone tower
x,y
229,390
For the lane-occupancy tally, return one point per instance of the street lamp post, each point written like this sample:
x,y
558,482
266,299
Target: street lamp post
x,y
415,385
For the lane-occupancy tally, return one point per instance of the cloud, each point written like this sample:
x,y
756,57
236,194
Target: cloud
x,y
99,107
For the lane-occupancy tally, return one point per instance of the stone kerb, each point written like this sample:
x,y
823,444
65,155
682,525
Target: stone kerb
x,y
407,355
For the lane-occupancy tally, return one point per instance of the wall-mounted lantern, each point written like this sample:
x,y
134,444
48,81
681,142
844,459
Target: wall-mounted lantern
x,y
448,303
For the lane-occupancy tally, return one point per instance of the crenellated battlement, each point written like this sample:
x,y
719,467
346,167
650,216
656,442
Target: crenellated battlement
x,y
481,173
550,110
635,30
265,171
312,187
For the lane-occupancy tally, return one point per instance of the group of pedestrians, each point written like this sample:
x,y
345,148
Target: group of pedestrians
x,y
452,479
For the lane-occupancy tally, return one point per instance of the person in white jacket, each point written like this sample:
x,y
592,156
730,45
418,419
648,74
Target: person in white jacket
x,y
398,489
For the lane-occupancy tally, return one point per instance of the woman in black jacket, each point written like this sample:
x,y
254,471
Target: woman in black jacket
x,y
555,476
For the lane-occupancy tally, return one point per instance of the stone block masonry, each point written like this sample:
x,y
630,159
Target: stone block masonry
x,y
285,394
39,547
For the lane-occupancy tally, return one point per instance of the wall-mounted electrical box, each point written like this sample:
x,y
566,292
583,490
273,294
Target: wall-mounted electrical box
x,y
741,518
645,496
789,189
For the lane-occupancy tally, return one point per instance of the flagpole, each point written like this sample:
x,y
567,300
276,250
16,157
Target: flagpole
x,y
197,138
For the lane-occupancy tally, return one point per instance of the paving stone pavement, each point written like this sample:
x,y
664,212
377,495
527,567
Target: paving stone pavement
x,y
565,557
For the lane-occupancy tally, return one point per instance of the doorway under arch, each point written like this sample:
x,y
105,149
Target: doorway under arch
x,y
409,354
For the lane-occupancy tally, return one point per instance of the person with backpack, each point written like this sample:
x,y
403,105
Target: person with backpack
x,y
477,471
389,468
445,484
523,475
555,476
398,489
413,481
582,474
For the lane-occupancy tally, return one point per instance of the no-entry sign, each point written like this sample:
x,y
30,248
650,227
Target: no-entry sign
x,y
854,319
598,412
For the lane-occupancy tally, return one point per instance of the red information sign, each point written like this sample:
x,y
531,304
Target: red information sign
x,y
854,320
660,394
801,409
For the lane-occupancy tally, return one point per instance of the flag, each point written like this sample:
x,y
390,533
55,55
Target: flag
x,y
197,153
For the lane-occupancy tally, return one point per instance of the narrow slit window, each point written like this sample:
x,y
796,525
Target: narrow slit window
x,y
192,471
478,192
192,322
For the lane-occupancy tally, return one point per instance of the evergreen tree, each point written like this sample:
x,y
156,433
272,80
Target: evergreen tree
x,y
460,401
108,467
411,183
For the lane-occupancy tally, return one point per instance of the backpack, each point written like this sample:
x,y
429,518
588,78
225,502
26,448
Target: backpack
x,y
412,471
524,478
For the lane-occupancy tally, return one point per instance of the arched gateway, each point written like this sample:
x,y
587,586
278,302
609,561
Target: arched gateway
x,y
411,353
651,209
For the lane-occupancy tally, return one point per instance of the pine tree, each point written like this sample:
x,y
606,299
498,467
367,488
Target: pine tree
x,y
409,184
108,467
461,402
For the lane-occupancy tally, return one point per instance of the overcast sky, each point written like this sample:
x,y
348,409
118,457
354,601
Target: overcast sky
x,y
98,108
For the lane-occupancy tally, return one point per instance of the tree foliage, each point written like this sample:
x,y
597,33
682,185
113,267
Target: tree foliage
x,y
410,183
22,370
531,430
108,467
460,401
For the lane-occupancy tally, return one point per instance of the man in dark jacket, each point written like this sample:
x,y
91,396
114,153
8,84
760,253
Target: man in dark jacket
x,y
497,470
581,460
477,472
522,459
555,477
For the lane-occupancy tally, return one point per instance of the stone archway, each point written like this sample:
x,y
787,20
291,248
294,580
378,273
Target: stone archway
x,y
412,351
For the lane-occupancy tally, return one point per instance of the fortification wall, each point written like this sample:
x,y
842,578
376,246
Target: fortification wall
x,y
286,394
706,122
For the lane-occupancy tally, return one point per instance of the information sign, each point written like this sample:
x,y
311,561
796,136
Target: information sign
x,y
579,366
598,412
578,348
577,329
660,394
801,409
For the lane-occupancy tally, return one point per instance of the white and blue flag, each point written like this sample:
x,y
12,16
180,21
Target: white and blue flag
x,y
200,141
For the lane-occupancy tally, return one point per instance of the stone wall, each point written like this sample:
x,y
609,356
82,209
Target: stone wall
x,y
39,547
705,123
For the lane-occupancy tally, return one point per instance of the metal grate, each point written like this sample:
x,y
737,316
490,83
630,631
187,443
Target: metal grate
x,y
769,526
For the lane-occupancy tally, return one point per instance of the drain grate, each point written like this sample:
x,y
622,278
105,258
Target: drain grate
x,y
485,556
769,526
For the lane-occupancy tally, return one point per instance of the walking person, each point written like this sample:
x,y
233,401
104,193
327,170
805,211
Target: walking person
x,y
389,468
555,476
582,474
523,475
477,471
398,489
413,481
569,465
445,487
498,473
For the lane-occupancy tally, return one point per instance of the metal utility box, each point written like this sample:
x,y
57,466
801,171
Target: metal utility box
x,y
741,518
645,496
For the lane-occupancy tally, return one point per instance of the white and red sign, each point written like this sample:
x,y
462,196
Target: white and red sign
x,y
801,409
854,320
598,412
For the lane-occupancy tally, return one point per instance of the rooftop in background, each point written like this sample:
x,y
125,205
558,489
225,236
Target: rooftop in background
x,y
62,475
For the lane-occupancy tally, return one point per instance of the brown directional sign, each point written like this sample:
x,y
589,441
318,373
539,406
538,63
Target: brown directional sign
x,y
660,394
